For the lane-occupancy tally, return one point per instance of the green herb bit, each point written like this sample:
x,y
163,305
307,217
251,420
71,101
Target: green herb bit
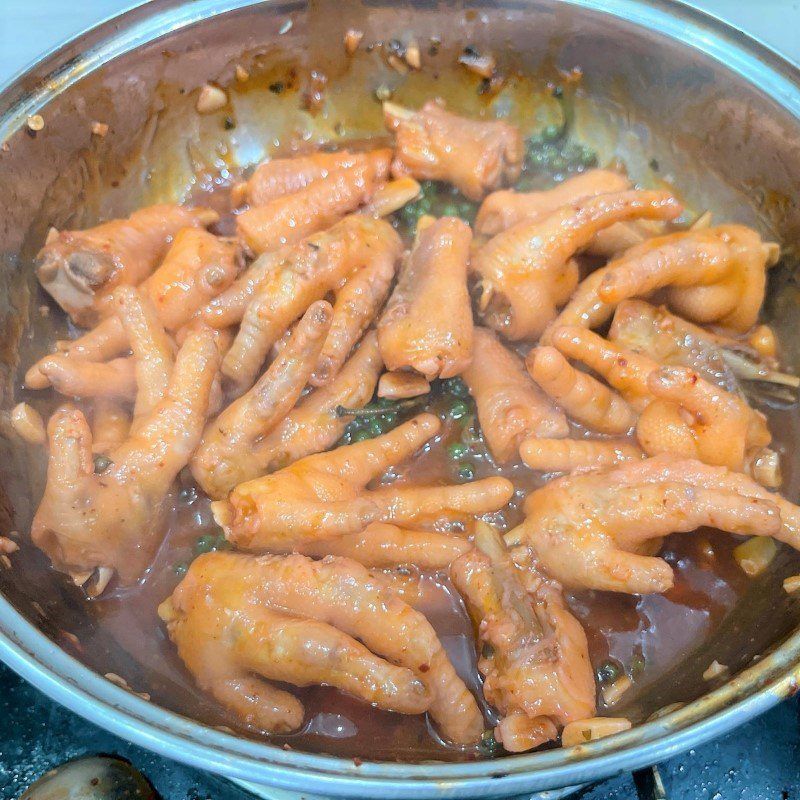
x,y
470,434
558,158
552,133
458,410
458,451
411,212
609,671
461,208
355,426
440,201
585,155
456,387
550,150
210,542
638,663
465,472
489,746
181,568
375,428
101,463
467,209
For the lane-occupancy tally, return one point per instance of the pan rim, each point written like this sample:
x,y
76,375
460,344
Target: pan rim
x,y
48,667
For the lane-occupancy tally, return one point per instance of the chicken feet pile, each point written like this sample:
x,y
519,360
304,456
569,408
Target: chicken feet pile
x,y
295,372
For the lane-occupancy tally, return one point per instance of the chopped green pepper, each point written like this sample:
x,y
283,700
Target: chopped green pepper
x,y
638,663
375,428
456,387
551,133
209,542
101,463
470,434
465,472
458,410
489,746
609,671
457,451
439,200
558,157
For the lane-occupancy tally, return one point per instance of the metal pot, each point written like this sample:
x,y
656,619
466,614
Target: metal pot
x,y
715,109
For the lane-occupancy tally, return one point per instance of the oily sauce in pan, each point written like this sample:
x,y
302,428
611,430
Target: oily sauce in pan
x,y
643,637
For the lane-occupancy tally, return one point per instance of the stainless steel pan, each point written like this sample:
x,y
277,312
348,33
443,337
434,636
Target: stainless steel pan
x,y
715,109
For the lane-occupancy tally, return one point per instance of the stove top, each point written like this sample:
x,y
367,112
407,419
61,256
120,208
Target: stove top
x,y
759,761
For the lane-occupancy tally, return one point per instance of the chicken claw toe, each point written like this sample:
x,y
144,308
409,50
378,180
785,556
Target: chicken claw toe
x,y
384,546
694,417
152,348
80,269
474,155
225,456
324,495
535,657
197,266
115,379
315,423
256,703
306,652
307,622
281,176
716,275
116,518
270,302
528,270
583,398
510,406
591,530
427,323
576,455
290,217
356,305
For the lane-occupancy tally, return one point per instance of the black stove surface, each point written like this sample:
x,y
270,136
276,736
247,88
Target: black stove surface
x,y
759,761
